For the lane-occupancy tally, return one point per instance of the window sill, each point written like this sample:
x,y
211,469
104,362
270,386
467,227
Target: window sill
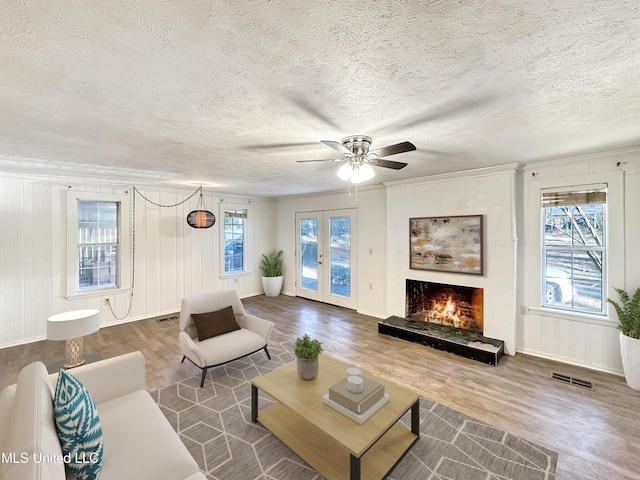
x,y
103,292
574,317
224,276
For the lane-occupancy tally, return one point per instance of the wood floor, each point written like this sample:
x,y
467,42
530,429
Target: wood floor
x,y
596,432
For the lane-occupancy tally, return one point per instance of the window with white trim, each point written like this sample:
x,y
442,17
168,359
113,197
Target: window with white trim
x,y
97,242
234,240
574,249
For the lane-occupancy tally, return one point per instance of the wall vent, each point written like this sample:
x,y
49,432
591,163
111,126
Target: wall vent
x,y
572,381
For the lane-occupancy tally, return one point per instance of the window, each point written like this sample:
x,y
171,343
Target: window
x,y
235,231
97,250
574,249
98,245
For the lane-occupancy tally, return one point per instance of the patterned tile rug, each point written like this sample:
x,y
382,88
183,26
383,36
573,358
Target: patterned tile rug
x,y
214,423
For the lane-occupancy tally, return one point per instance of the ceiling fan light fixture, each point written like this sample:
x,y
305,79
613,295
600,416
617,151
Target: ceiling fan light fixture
x,y
345,171
358,160
362,173
356,172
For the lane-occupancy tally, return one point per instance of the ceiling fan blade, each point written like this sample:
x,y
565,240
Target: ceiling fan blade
x,y
441,112
393,149
337,146
306,106
389,164
322,160
275,146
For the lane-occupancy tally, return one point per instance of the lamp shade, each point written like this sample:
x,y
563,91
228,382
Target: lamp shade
x,y
73,324
344,172
362,174
201,219
356,173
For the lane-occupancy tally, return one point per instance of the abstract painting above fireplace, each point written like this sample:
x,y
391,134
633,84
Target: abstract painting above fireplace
x,y
446,244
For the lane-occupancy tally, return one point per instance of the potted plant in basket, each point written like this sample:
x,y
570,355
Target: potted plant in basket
x,y
307,352
629,316
272,274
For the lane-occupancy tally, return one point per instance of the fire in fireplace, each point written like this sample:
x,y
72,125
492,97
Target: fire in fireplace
x,y
453,305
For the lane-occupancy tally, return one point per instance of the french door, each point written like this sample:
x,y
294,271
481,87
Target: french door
x,y
325,256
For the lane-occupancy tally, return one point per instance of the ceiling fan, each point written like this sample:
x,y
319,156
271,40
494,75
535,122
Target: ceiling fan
x,y
358,159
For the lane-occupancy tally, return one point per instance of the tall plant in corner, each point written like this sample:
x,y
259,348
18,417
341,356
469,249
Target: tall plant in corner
x,y
272,274
628,311
272,265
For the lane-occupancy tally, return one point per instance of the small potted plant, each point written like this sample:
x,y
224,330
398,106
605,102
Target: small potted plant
x,y
272,274
629,316
307,352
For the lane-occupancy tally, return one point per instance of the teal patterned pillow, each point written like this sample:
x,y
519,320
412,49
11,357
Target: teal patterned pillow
x,y
78,427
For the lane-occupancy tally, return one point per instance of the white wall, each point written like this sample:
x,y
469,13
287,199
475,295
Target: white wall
x,y
171,259
585,340
487,192
371,218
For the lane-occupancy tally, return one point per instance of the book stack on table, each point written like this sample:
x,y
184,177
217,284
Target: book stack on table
x,y
359,407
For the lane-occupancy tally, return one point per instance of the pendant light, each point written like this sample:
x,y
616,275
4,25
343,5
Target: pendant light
x,y
201,217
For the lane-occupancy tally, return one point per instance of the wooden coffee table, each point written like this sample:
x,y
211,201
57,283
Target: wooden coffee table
x,y
337,447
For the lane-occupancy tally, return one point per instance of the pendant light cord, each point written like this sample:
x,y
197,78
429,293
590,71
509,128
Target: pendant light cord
x,y
198,190
133,243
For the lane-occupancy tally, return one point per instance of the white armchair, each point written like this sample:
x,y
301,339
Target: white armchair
x,y
252,336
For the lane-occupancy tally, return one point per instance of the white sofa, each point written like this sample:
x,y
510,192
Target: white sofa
x,y
252,336
139,442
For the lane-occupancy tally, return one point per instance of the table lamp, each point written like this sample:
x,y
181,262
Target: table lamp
x,y
72,326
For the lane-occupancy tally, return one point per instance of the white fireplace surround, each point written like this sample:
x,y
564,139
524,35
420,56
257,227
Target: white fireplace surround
x,y
489,192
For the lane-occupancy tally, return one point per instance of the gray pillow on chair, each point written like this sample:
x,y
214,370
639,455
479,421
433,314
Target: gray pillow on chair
x,y
215,323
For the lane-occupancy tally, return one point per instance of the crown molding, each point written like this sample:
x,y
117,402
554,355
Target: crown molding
x,y
619,154
446,177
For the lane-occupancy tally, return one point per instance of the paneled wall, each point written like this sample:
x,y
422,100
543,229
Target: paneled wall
x,y
29,214
586,340
171,259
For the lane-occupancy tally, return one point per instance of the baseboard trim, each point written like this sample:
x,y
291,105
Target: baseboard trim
x,y
555,358
372,314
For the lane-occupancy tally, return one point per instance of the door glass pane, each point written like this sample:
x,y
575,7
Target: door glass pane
x,y
340,256
309,254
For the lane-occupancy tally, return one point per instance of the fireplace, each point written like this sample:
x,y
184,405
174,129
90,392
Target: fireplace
x,y
451,305
445,317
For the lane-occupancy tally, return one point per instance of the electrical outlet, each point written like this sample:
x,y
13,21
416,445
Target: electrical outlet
x,y
106,301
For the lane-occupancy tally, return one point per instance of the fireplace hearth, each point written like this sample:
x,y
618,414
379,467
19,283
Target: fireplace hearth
x,y
445,317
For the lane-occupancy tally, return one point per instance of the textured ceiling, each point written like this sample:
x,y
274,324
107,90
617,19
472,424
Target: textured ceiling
x,y
232,93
